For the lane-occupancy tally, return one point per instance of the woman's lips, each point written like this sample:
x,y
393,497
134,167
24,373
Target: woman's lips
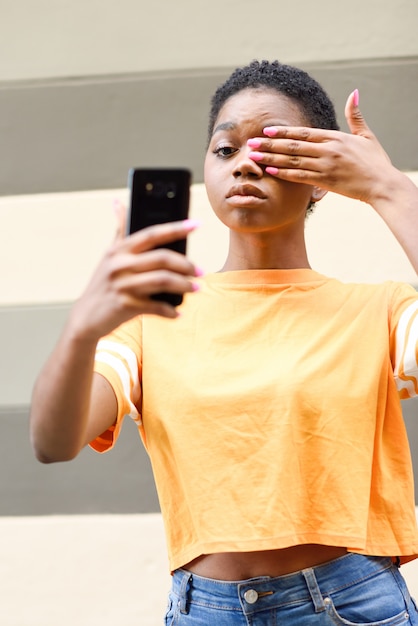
x,y
246,190
245,194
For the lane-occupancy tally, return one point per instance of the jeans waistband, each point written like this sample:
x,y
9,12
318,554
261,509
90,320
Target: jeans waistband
x,y
310,584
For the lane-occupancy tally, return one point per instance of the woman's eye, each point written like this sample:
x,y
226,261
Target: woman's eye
x,y
224,151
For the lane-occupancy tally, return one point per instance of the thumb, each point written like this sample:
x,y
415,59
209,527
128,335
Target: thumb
x,y
354,117
120,213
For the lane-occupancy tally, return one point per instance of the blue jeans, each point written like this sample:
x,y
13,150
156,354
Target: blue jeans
x,y
352,589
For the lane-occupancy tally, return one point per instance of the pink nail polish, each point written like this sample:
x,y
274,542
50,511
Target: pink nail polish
x,y
272,170
270,131
356,97
195,287
254,143
198,271
191,224
256,156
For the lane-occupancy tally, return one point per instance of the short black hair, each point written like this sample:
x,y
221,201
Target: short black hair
x,y
292,82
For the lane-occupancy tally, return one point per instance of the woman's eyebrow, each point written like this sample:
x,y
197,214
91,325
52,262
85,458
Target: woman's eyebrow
x,y
224,126
228,126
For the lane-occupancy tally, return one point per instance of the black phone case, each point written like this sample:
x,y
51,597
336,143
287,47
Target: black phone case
x,y
159,195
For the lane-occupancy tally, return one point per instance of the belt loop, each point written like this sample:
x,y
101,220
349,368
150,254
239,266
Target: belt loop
x,y
316,595
184,588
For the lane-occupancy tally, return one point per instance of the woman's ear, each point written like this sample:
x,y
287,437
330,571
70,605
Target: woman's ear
x,y
317,194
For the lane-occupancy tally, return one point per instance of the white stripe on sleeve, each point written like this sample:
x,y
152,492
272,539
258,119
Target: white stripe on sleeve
x,y
123,361
406,351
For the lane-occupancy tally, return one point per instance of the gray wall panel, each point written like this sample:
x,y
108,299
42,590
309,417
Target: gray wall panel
x,y
27,336
119,481
85,134
410,413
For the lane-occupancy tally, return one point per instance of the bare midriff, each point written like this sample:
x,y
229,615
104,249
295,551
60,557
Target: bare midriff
x,y
244,565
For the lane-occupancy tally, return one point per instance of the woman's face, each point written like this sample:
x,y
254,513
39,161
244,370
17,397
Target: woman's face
x,y
244,197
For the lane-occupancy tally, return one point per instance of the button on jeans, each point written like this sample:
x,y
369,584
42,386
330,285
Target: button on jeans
x,y
351,590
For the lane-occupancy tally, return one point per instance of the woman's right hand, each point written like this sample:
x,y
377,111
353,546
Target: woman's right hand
x,y
70,404
132,270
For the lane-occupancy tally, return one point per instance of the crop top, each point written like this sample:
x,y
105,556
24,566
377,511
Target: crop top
x,y
270,410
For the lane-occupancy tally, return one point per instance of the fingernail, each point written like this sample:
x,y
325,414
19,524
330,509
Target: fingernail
x,y
198,271
116,207
254,143
195,287
256,156
356,97
270,131
272,170
191,224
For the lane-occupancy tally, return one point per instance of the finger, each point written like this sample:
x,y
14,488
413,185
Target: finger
x,y
355,120
288,161
147,284
288,156
290,152
279,146
158,235
284,153
301,133
158,259
140,305
296,175
120,212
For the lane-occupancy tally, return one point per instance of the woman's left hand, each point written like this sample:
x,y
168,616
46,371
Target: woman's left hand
x,y
354,165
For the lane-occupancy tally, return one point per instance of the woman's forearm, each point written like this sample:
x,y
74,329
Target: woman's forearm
x,y
61,399
397,205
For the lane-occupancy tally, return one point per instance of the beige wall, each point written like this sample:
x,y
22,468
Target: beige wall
x,y
51,243
63,38
106,570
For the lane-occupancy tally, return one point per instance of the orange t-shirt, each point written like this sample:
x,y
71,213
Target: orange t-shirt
x,y
270,411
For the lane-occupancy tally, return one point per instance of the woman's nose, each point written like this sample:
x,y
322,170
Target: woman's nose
x,y
244,166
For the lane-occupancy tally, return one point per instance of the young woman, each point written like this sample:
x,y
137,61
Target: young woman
x,y
270,406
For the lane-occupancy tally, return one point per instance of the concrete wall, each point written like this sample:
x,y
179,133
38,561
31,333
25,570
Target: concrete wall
x,y
62,38
87,90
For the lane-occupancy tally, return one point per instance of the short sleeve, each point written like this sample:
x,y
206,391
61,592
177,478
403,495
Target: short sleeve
x,y
404,339
119,360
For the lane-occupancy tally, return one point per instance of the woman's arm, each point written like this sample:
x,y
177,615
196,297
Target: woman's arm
x,y
71,405
354,165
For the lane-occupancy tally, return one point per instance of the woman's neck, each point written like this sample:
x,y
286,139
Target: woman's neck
x,y
260,252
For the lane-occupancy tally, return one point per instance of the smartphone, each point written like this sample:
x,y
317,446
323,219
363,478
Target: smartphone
x,y
157,196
